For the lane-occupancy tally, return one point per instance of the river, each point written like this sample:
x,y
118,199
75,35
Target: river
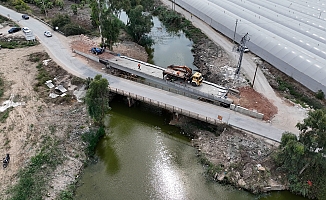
x,y
142,157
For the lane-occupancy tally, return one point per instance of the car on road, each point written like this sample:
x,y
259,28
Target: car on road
x,y
24,16
14,29
47,33
26,30
96,50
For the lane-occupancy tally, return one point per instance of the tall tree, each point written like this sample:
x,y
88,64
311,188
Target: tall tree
x,y
139,23
97,98
304,159
313,131
111,29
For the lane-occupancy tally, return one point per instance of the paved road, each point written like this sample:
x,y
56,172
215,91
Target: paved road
x,y
62,54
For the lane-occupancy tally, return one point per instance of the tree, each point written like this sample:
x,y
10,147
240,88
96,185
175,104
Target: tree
x,y
111,29
313,131
304,159
97,98
139,23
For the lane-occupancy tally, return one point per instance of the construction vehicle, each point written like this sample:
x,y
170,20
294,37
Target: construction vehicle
x,y
175,72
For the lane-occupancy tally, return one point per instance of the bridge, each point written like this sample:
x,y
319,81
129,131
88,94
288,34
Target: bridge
x,y
189,105
61,53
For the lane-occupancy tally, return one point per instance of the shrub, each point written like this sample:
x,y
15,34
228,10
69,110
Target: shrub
x,y
60,21
92,138
320,95
73,29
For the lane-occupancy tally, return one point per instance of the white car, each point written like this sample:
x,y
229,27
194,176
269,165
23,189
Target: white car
x,y
47,33
26,30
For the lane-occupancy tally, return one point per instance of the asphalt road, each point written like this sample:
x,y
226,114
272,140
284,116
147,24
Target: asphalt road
x,y
59,50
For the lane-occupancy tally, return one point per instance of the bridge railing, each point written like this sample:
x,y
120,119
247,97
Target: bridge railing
x,y
185,91
168,107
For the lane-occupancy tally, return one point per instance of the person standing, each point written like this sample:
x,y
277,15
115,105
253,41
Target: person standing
x,y
139,66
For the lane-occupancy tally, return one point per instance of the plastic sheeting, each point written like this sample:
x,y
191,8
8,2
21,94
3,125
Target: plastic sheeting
x,y
288,34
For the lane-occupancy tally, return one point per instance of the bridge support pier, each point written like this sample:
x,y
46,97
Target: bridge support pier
x,y
131,101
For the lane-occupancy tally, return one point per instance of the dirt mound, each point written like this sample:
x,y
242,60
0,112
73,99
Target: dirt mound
x,y
253,100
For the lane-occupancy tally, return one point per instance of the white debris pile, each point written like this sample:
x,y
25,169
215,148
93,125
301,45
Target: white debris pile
x,y
45,62
9,103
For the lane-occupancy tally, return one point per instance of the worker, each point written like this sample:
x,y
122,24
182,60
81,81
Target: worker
x,y
139,66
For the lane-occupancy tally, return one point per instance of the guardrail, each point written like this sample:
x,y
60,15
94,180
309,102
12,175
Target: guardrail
x,y
181,111
167,107
156,82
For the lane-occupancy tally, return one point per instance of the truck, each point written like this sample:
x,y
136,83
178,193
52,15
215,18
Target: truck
x,y
177,72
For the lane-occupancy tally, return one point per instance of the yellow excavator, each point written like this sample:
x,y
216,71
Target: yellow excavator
x,y
175,72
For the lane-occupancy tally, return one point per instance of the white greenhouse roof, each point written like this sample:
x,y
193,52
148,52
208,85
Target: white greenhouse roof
x,y
289,34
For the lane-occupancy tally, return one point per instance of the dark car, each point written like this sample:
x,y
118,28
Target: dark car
x,y
24,16
96,50
14,29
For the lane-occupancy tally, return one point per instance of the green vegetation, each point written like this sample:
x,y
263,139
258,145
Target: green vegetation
x,y
320,95
174,22
111,29
303,159
4,115
74,8
32,178
14,43
2,89
139,24
210,168
298,97
19,5
91,139
104,17
97,99
64,24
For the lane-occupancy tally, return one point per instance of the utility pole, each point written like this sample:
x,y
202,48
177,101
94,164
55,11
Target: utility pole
x,y
241,49
253,82
235,30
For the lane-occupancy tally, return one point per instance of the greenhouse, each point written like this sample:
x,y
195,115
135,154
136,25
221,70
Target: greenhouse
x,y
290,35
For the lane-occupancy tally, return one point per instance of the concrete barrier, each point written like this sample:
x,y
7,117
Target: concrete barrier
x,y
246,111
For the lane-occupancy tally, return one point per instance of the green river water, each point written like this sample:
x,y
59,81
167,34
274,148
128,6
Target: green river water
x,y
142,157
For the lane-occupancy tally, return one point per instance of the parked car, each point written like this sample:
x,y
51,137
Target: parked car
x,y
14,29
24,16
26,30
47,33
96,50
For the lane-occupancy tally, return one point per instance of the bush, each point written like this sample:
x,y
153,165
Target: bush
x,y
92,138
60,21
73,29
320,95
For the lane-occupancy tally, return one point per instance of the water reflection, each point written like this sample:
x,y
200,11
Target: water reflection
x,y
170,48
142,161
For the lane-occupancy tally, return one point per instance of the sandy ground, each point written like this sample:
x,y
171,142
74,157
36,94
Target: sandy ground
x,y
23,132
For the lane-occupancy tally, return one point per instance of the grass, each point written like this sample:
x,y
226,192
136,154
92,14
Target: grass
x,y
4,115
33,177
1,87
17,44
296,96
